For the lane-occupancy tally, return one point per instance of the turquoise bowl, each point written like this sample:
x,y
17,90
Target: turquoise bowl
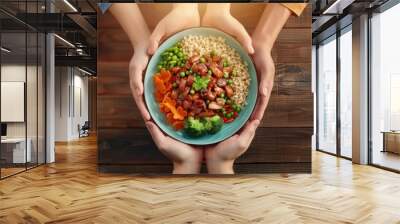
x,y
228,129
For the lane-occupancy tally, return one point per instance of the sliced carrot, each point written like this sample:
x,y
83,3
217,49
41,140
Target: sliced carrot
x,y
167,99
177,116
165,75
159,96
159,84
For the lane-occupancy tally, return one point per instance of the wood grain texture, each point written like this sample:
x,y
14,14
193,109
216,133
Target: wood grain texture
x,y
73,191
271,145
284,136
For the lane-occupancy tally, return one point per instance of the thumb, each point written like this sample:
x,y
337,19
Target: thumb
x,y
245,40
250,127
242,36
136,83
155,38
155,132
263,87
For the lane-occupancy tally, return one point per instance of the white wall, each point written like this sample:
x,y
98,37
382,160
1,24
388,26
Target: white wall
x,y
71,93
16,73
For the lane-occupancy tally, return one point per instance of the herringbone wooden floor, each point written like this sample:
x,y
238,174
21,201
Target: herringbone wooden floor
x,y
72,191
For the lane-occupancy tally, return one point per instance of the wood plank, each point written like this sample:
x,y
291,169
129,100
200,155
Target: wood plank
x,y
293,52
303,35
289,111
128,146
293,72
135,146
250,168
118,112
279,145
293,88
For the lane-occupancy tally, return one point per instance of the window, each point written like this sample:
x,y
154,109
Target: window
x,y
385,89
346,75
327,96
22,78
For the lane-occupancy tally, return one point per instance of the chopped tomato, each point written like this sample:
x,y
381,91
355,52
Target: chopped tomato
x,y
178,125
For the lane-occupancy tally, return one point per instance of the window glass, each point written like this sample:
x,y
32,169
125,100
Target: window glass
x,y
327,96
346,94
385,88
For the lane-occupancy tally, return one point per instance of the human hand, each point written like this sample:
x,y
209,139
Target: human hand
x,y
220,157
186,159
137,65
219,16
266,73
182,16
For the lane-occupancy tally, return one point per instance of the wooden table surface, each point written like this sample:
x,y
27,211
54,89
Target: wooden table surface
x,y
283,140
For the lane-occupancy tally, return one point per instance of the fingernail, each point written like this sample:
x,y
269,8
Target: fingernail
x,y
251,50
264,91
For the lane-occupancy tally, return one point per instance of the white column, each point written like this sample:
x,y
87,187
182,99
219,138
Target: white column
x,y
360,90
50,99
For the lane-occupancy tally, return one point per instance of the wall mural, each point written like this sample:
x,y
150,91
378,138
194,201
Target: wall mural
x,y
204,88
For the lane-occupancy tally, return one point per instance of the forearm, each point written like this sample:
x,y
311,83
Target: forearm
x,y
185,6
218,8
270,25
132,22
187,167
216,166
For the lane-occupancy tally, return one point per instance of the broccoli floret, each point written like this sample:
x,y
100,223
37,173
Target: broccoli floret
x,y
216,123
207,124
194,127
198,127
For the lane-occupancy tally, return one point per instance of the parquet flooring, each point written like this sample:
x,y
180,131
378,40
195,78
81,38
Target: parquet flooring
x,y
72,191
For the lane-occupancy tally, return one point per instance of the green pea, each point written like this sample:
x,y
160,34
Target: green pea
x,y
230,82
222,95
202,60
209,72
180,55
234,73
174,85
171,54
228,115
226,63
213,53
182,74
228,101
226,75
192,91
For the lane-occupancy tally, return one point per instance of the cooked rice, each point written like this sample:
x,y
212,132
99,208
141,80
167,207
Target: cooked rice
x,y
205,44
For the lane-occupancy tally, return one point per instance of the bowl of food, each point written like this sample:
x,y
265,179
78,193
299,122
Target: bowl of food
x,y
200,86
